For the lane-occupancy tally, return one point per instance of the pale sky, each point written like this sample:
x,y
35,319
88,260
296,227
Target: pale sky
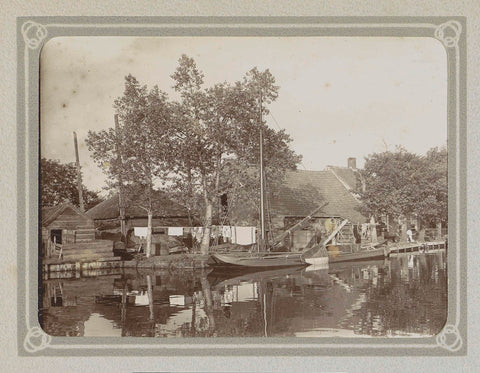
x,y
339,97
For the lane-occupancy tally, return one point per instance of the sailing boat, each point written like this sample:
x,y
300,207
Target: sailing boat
x,y
263,258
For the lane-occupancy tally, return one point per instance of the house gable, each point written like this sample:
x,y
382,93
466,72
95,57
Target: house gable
x,y
65,215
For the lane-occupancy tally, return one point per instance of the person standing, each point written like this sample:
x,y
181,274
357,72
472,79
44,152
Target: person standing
x,y
409,235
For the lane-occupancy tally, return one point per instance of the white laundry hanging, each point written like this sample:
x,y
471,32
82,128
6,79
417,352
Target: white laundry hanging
x,y
140,231
175,231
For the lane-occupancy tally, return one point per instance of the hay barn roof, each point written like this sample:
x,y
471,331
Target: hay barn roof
x,y
163,206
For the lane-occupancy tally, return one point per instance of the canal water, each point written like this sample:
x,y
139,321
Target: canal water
x,y
400,296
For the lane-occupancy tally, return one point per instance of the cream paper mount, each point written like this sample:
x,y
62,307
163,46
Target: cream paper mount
x,y
34,32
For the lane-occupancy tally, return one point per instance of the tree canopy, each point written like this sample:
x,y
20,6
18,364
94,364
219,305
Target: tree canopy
x,y
59,184
199,147
401,183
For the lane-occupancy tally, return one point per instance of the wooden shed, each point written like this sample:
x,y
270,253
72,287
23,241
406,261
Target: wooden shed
x,y
69,234
65,223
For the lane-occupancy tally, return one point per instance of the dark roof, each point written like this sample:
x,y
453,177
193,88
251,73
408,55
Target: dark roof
x,y
50,213
163,206
347,175
302,191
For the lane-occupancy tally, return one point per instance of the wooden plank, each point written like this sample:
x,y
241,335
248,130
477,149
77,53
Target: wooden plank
x,y
86,257
86,253
79,246
68,254
80,249
56,261
93,244
88,236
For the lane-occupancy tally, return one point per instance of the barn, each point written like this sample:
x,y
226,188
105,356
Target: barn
x,y
67,233
166,213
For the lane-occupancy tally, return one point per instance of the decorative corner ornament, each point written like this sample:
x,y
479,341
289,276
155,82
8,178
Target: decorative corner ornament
x,y
444,33
33,34
450,339
36,340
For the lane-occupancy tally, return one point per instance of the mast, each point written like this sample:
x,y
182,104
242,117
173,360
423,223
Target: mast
x,y
262,205
121,204
79,174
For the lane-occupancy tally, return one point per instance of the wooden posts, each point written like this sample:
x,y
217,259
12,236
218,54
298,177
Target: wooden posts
x,y
121,202
79,174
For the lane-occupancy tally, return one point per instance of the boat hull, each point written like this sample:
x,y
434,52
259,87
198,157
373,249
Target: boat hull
x,y
220,277
268,260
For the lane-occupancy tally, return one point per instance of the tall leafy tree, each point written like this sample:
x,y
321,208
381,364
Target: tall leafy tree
x,y
401,183
218,135
135,154
200,147
432,203
59,184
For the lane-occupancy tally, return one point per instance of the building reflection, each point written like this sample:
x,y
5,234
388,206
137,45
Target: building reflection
x,y
405,295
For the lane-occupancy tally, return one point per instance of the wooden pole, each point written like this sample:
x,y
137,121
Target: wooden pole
x,y
79,174
278,240
121,204
262,203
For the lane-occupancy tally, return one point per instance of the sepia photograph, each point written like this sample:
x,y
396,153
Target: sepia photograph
x,y
258,186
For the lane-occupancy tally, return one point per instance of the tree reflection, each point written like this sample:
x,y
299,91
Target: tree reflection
x,y
399,296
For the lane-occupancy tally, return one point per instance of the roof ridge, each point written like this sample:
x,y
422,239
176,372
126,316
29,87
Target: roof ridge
x,y
58,209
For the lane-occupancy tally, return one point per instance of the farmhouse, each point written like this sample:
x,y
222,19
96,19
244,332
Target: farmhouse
x,y
298,196
300,193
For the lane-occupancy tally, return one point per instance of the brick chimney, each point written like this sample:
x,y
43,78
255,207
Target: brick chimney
x,y
352,163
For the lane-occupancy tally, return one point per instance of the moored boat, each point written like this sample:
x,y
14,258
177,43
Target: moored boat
x,y
259,259
264,257
220,277
364,254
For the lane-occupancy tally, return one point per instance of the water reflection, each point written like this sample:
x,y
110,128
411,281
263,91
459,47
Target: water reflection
x,y
402,296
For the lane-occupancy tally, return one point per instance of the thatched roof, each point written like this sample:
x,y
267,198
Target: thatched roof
x,y
348,176
302,191
50,213
163,206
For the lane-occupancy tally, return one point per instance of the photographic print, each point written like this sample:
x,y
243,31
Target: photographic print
x,y
161,221
255,188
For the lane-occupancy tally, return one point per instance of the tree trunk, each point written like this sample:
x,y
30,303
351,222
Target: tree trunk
x,y
373,230
148,249
151,317
217,188
420,230
207,228
439,230
403,233
150,297
204,246
208,303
